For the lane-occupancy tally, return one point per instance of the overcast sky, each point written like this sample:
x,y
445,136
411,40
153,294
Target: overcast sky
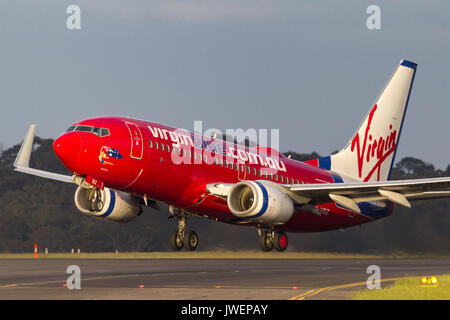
x,y
309,68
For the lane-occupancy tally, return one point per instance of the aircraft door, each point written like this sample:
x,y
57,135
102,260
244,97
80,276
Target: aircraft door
x,y
137,146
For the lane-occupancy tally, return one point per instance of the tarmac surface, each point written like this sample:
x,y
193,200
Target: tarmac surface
x,y
203,279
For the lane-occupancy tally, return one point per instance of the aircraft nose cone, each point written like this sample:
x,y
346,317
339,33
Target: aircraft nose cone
x,y
67,148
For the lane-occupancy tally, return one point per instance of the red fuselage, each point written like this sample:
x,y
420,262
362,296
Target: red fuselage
x,y
174,166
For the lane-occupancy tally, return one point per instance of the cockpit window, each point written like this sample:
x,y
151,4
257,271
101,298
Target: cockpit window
x,y
96,131
101,132
84,128
104,132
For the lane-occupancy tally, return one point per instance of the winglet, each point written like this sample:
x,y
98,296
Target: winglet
x,y
408,64
23,157
22,163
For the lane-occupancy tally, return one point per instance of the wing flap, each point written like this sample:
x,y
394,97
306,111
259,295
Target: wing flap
x,y
396,191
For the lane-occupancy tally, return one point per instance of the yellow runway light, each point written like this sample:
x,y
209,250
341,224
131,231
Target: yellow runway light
x,y
429,281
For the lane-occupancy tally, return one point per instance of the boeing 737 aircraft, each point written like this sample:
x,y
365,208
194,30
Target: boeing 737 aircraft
x,y
121,164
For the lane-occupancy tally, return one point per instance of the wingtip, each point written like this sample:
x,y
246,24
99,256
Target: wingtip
x,y
23,157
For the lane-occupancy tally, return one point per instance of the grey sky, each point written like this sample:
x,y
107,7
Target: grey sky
x,y
310,68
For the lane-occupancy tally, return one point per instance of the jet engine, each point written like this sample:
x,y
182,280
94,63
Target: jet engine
x,y
261,202
107,204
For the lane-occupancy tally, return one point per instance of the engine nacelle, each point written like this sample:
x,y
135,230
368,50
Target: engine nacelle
x,y
260,202
115,205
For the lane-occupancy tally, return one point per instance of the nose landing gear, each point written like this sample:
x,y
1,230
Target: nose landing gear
x,y
95,203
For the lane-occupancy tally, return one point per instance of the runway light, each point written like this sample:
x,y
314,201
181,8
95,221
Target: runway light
x,y
64,285
294,288
217,287
141,286
429,281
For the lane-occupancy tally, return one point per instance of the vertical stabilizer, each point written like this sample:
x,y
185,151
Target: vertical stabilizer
x,y
370,153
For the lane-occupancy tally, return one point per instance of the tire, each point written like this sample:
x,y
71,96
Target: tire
x,y
265,242
176,243
280,241
99,205
91,206
190,240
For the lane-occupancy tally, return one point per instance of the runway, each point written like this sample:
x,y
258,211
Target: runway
x,y
192,279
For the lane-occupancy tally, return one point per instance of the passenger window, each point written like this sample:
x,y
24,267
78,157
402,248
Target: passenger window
x,y
276,177
150,144
248,169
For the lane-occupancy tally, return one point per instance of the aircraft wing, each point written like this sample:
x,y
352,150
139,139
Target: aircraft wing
x,y
349,195
22,163
397,191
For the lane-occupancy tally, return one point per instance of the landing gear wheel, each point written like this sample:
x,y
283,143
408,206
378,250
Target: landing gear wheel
x,y
176,241
280,241
190,240
95,204
99,205
182,237
266,241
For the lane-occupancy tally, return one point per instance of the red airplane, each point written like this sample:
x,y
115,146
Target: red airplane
x,y
121,164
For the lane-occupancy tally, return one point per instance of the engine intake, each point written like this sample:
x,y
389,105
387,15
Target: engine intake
x,y
260,202
113,205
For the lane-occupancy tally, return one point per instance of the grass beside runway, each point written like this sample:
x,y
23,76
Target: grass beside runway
x,y
409,289
214,254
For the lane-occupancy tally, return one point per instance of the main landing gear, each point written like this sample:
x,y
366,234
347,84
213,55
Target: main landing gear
x,y
269,240
181,237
